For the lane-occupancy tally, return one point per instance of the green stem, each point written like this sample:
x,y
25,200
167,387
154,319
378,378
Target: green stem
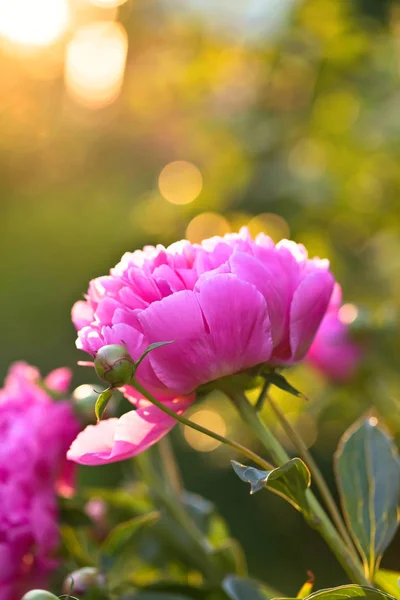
x,y
319,519
198,548
170,467
317,476
235,445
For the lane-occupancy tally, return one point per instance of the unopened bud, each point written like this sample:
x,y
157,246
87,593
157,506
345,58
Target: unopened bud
x,y
114,365
81,581
39,595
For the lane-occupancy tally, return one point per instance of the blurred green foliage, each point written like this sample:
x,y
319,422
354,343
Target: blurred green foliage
x,y
300,120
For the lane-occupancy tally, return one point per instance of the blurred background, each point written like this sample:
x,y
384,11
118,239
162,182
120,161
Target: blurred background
x,y
125,123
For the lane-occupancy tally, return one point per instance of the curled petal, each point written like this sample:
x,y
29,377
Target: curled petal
x,y
118,439
308,308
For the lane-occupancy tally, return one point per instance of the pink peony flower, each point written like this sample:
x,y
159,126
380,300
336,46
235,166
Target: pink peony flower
x,y
333,352
229,304
35,435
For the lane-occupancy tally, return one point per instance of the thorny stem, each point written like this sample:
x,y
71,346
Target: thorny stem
x,y
318,518
316,474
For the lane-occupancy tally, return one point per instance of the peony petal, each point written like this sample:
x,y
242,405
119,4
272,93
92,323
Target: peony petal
x,y
125,335
309,305
117,439
269,278
237,317
95,444
188,361
144,427
219,330
336,298
59,380
82,314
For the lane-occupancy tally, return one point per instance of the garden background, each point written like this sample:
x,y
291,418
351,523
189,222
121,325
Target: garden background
x,y
163,119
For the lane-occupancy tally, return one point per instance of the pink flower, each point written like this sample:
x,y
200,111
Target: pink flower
x,y
333,352
35,435
229,304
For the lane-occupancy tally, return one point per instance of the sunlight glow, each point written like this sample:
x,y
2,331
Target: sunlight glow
x,y
82,391
107,3
33,22
95,63
271,224
180,182
207,418
348,313
206,225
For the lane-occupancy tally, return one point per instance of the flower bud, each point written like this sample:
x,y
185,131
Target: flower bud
x,y
39,595
82,581
114,365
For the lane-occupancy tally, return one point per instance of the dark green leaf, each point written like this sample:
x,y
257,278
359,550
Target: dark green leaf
x,y
165,589
282,383
73,514
348,591
241,588
150,349
368,475
200,510
123,533
102,401
389,581
290,481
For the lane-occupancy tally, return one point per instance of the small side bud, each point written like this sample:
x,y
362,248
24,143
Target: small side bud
x,y
114,365
82,580
39,595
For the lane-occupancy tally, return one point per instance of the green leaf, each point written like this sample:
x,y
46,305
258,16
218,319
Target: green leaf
x,y
143,595
123,533
282,383
231,557
134,499
75,545
150,349
368,474
241,588
118,553
290,481
347,591
102,401
389,581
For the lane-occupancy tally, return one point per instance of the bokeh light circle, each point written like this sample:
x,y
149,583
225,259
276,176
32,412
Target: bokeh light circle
x,y
95,63
206,225
207,418
33,22
180,182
